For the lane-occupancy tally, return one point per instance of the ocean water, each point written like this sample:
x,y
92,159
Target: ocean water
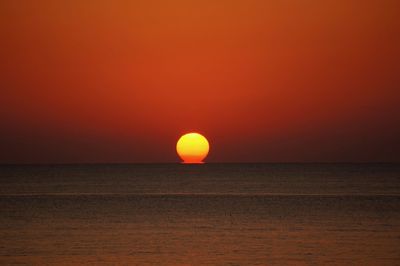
x,y
211,214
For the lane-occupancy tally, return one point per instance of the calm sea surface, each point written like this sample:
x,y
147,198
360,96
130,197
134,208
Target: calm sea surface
x,y
211,214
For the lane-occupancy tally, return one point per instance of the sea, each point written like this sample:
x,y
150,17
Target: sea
x,y
208,214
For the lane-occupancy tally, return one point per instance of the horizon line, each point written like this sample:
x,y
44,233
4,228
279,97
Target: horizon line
x,y
202,164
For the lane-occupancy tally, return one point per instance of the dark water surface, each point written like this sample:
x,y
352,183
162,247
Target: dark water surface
x,y
216,214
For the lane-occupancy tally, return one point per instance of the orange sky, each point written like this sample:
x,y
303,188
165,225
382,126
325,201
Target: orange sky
x,y
265,81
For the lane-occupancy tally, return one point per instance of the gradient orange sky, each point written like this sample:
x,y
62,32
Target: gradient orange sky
x,y
265,81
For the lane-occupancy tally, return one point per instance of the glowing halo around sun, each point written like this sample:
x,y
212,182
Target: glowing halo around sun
x,y
192,148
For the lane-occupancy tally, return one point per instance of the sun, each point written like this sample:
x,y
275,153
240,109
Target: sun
x,y
192,148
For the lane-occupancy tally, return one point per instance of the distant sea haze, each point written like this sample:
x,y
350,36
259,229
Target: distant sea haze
x,y
210,214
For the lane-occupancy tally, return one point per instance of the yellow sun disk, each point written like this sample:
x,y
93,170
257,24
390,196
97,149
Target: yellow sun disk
x,y
192,148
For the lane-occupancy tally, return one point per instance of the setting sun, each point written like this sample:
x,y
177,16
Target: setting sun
x,y
192,148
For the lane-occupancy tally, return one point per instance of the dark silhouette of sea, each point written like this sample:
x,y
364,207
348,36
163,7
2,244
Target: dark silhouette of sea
x,y
211,214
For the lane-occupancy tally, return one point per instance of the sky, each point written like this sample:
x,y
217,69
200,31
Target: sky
x,y
264,81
